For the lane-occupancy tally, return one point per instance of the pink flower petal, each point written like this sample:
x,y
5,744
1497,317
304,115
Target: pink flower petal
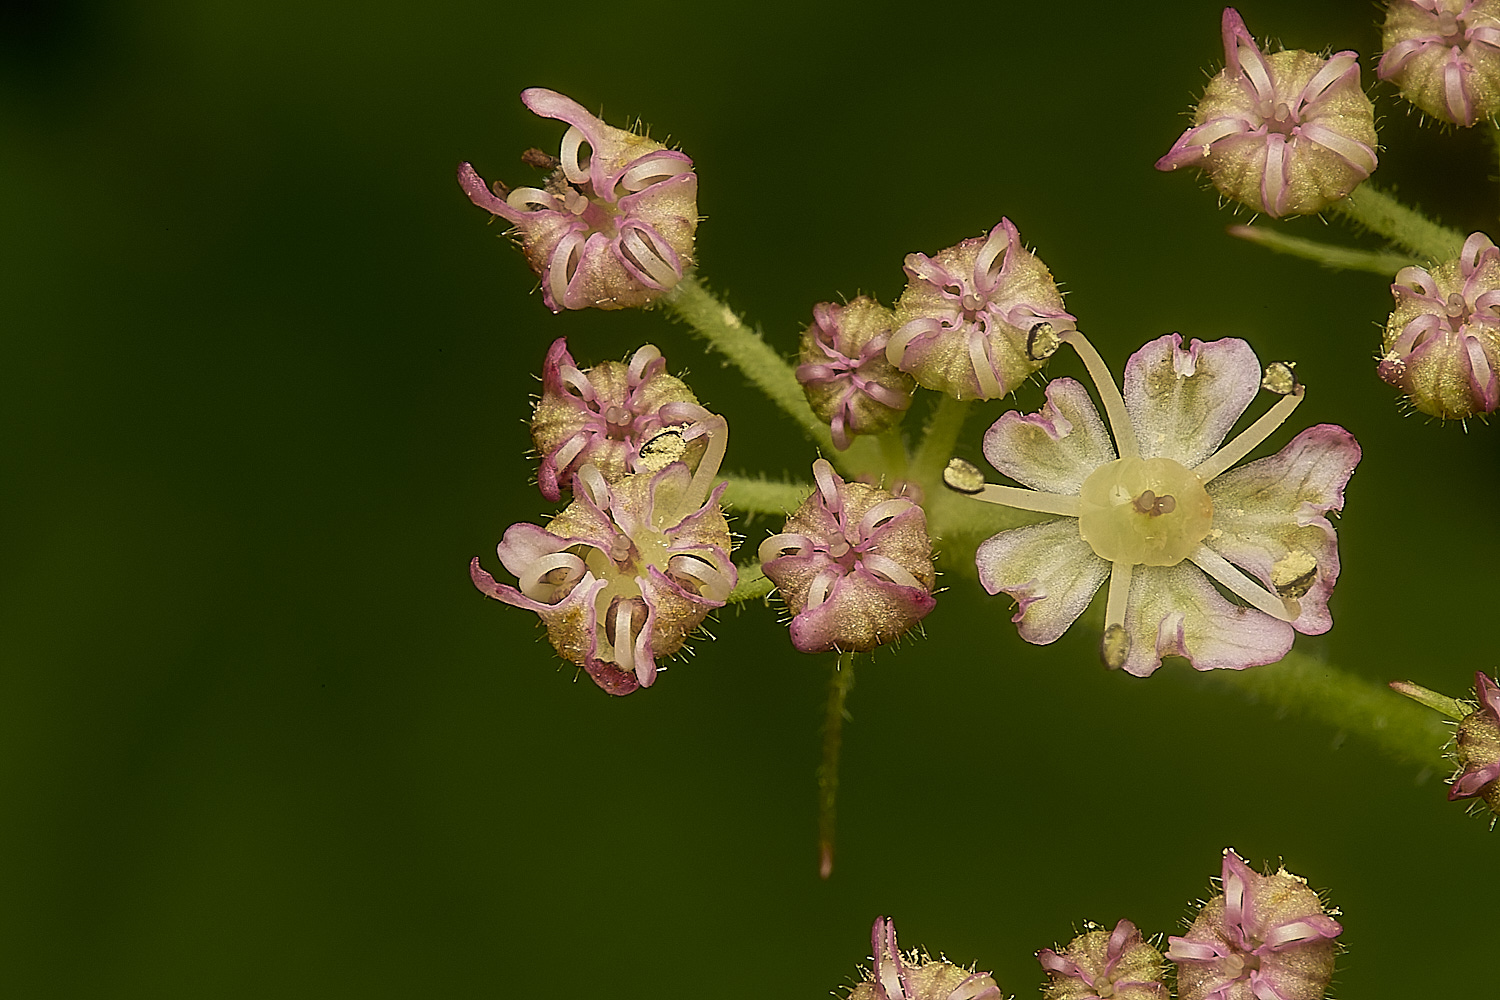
x,y
1183,402
1174,610
1269,518
1055,449
1049,569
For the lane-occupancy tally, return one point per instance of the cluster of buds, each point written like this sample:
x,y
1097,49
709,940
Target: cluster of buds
x,y
915,975
1105,965
1442,342
1445,56
965,321
1264,936
1477,748
621,418
632,566
854,566
613,224
1288,133
845,373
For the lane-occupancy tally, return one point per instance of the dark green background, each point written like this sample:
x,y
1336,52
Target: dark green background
x,y
265,379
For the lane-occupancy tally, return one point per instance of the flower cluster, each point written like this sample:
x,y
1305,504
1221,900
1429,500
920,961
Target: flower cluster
x,y
1445,56
1442,342
916,976
844,370
613,225
1160,512
1287,133
1266,937
854,565
629,569
965,319
1105,965
1477,747
620,418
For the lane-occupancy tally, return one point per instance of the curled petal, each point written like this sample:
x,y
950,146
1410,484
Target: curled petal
x,y
862,611
1056,448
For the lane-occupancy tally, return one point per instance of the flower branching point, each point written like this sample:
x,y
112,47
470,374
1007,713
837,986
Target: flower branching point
x,y
612,226
915,976
854,566
1267,937
964,321
627,571
621,418
1160,512
1445,56
1287,133
845,373
1105,965
1442,342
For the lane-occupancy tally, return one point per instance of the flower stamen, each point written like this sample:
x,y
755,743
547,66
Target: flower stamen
x,y
1109,393
1251,437
1282,608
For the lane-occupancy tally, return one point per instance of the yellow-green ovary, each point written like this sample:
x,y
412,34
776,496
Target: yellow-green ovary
x,y
1150,511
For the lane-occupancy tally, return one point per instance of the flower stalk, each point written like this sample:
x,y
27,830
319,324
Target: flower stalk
x,y
840,683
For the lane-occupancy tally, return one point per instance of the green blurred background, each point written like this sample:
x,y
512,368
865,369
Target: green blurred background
x,y
266,373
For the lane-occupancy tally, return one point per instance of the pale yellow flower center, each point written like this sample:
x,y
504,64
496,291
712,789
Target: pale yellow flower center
x,y
1150,511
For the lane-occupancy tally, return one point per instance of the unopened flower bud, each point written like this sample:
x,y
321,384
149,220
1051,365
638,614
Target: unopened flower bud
x,y
844,371
625,573
621,418
1105,965
1442,342
854,566
1477,747
965,321
1264,936
916,976
612,226
1445,56
1288,133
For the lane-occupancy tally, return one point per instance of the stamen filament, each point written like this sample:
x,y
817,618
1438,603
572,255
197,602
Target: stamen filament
x,y
1109,393
1249,438
708,467
1119,593
1243,587
1042,503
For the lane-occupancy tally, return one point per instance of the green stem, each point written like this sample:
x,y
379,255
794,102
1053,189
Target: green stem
x,y
753,584
839,686
1311,688
938,441
764,496
1451,707
1406,227
893,453
1339,258
718,324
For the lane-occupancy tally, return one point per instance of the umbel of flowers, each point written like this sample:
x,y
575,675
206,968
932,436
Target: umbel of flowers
x,y
1155,506
629,569
1288,133
1262,937
612,225
1445,56
1442,342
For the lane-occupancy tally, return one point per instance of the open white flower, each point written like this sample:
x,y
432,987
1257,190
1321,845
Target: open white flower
x,y
1160,512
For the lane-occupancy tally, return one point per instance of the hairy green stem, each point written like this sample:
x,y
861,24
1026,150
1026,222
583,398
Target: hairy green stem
x,y
718,324
938,440
753,584
1339,258
839,686
1381,213
758,495
1320,691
